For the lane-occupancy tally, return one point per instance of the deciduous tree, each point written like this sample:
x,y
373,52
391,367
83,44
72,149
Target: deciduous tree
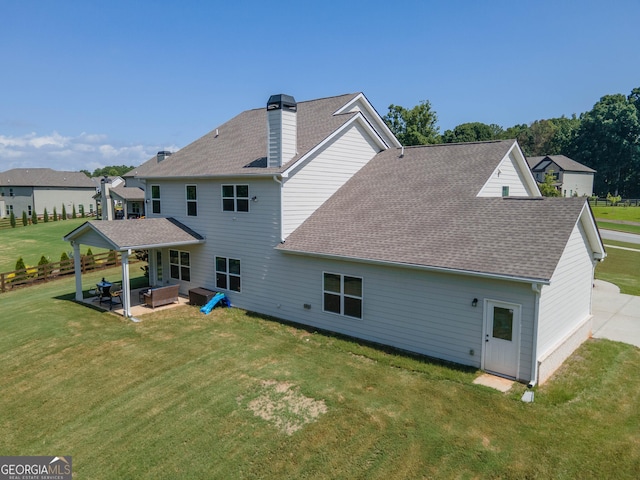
x,y
415,126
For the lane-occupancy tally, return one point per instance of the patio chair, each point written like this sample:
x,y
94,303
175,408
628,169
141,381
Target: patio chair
x,y
115,293
105,293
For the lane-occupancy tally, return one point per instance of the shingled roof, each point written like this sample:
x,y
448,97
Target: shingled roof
x,y
239,146
44,177
421,209
140,234
565,163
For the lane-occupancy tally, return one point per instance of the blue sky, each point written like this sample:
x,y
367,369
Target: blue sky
x,y
87,84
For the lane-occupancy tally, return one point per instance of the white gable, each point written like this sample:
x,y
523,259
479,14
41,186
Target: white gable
x,y
362,105
512,176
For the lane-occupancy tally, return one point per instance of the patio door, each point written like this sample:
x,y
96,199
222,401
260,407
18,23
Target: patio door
x,y
502,338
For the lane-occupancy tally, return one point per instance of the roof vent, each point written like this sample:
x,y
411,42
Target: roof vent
x,y
162,155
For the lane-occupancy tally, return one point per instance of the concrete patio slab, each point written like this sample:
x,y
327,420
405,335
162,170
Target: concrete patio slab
x,y
493,381
137,307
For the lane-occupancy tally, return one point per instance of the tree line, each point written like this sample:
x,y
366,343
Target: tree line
x,y
606,138
109,171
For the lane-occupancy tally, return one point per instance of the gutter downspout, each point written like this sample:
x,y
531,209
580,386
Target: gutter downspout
x,y
279,181
537,288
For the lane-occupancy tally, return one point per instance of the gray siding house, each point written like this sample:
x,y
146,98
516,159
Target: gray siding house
x,y
34,189
571,178
314,213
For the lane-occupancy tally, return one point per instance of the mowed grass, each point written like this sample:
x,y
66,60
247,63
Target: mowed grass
x,y
237,395
33,241
621,267
619,227
629,214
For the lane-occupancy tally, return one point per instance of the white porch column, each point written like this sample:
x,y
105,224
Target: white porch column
x,y
77,268
126,288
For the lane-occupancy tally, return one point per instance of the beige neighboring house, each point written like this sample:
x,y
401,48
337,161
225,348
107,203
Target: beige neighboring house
x,y
572,178
34,189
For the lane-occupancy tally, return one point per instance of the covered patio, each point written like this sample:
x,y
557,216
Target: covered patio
x,y
125,236
136,308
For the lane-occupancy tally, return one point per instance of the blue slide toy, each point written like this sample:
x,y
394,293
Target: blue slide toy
x,y
217,298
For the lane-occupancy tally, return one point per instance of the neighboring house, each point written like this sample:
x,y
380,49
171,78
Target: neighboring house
x,y
34,189
117,201
312,212
571,178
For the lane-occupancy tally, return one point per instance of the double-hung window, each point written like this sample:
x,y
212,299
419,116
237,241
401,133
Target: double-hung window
x,y
180,265
228,273
192,201
155,199
235,198
342,294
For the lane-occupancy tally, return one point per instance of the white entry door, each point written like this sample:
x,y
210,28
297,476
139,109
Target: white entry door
x,y
502,338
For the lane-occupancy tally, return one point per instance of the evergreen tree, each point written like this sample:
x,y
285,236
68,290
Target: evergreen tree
x,y
12,219
34,217
55,214
25,219
20,264
73,212
42,266
45,216
63,215
82,215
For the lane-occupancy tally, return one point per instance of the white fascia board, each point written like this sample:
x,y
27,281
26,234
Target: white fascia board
x,y
213,176
356,118
160,245
425,268
524,169
380,123
593,234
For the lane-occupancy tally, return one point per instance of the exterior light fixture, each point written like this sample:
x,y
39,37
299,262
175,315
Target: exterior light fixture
x,y
474,303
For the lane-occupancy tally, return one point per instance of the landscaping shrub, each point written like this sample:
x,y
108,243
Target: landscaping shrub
x,y
42,266
63,215
25,220
73,212
55,215
66,263
34,218
45,216
12,219
20,264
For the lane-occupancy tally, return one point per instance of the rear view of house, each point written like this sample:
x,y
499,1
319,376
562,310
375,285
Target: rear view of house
x,y
314,213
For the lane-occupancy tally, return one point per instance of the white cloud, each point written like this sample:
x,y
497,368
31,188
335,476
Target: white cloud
x,y
85,151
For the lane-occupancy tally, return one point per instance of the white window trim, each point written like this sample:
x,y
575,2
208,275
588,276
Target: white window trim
x,y
227,274
179,265
235,197
187,201
158,199
343,295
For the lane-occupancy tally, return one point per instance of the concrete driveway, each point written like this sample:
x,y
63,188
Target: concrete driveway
x,y
616,316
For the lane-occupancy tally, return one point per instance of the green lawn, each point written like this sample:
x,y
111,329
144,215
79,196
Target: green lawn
x,y
237,395
620,227
629,214
33,241
621,267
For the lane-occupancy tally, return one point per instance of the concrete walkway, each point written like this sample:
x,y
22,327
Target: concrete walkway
x,y
616,316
